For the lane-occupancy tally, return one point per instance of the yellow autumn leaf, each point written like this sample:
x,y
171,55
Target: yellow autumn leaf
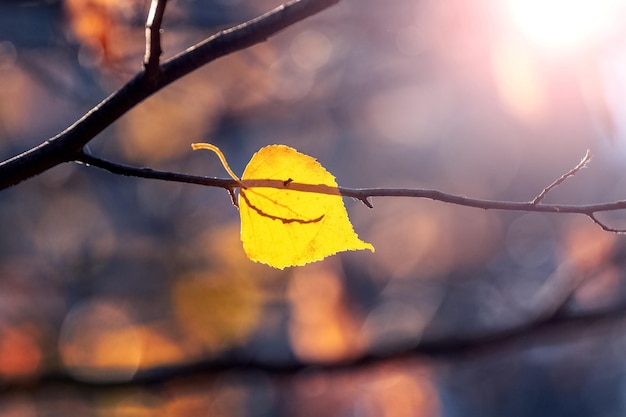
x,y
281,225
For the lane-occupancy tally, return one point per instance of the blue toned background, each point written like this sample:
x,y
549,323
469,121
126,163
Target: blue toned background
x,y
103,277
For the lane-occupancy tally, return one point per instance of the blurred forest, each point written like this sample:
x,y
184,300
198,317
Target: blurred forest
x,y
103,277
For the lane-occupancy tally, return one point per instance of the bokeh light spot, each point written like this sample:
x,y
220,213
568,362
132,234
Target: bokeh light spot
x,y
20,353
311,50
530,240
99,341
321,328
519,81
217,310
409,115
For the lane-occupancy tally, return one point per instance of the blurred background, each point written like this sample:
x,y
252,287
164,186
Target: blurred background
x,y
103,277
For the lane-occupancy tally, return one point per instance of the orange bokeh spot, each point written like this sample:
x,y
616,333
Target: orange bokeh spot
x,y
100,341
322,329
20,353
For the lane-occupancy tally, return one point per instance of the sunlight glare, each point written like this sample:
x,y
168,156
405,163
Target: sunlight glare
x,y
565,24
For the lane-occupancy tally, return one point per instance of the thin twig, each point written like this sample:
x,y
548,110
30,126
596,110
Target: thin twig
x,y
153,39
131,171
582,164
603,225
363,194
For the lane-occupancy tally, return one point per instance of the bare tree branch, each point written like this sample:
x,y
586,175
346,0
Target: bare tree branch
x,y
153,38
543,331
67,145
365,194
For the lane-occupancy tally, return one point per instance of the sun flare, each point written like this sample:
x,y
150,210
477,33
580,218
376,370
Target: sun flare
x,y
565,24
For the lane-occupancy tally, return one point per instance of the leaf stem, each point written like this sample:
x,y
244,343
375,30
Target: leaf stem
x,y
220,155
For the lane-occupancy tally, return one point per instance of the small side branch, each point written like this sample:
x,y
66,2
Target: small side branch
x,y
153,38
603,225
582,164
